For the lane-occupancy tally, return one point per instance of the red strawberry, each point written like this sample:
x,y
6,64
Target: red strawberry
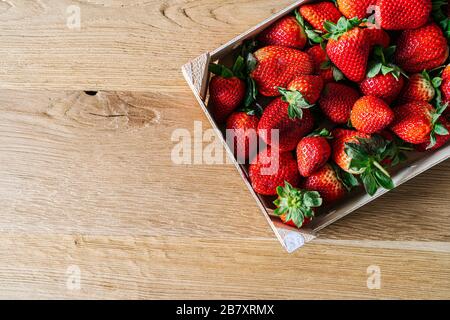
x,y
348,48
371,115
291,121
296,207
277,66
421,49
418,122
242,128
226,90
341,137
322,65
355,8
317,13
225,95
418,88
384,79
309,86
271,169
361,154
337,101
326,182
402,14
285,32
445,88
440,139
377,37
313,152
386,87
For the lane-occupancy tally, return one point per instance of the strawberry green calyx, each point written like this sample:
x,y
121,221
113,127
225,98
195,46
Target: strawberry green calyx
x,y
440,16
250,64
238,69
325,133
437,127
337,74
296,101
395,152
366,158
312,35
381,63
296,204
347,179
335,31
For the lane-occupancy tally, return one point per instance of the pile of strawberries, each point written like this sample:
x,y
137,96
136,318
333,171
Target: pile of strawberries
x,y
349,95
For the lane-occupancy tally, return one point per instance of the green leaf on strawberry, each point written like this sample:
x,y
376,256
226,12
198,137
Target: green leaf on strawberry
x,y
313,36
296,101
347,179
366,158
296,204
335,31
437,128
381,63
440,16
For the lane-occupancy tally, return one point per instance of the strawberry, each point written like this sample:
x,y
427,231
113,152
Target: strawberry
x,y
327,183
402,14
285,32
308,85
385,87
348,48
313,152
445,85
226,90
355,8
418,122
290,117
242,127
276,66
440,139
271,169
371,115
322,65
341,137
317,13
360,154
377,37
418,88
421,49
383,78
337,101
294,206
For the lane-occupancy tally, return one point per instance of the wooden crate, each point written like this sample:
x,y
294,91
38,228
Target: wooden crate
x,y
197,75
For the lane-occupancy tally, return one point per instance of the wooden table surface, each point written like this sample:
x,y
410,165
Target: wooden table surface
x,y
91,205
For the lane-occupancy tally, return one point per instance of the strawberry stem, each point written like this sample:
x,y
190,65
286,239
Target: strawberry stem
x,y
381,168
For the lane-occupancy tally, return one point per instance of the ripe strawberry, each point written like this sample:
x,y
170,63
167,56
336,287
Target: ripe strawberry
x,y
418,122
445,89
277,66
341,137
322,65
371,115
294,206
440,139
337,101
271,169
226,90
421,49
355,8
418,88
313,152
285,32
348,48
384,79
242,128
377,37
385,87
363,155
326,182
289,118
308,85
402,14
317,13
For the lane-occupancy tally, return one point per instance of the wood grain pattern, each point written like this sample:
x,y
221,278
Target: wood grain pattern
x,y
88,180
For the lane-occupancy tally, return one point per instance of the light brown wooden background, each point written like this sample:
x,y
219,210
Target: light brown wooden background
x,y
87,181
